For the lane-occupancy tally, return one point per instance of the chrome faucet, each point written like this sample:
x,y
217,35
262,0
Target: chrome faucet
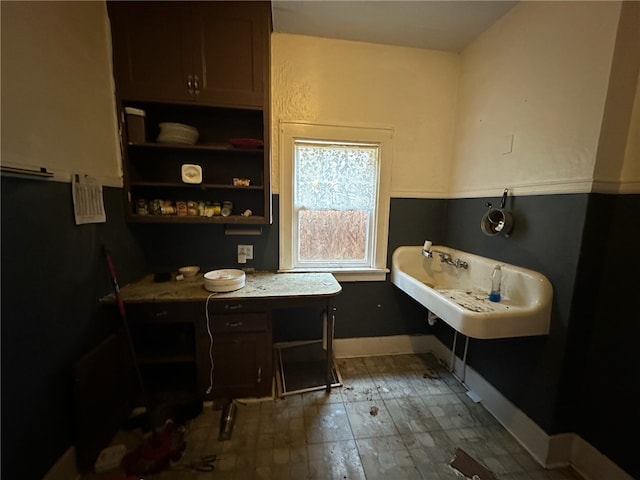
x,y
445,258
461,264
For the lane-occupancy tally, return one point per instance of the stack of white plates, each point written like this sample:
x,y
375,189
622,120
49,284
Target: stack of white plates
x,y
226,280
177,133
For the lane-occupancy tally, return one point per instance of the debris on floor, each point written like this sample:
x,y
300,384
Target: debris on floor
x,y
466,465
373,411
110,458
205,464
431,373
157,452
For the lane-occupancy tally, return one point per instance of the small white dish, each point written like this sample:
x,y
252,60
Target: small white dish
x,y
191,173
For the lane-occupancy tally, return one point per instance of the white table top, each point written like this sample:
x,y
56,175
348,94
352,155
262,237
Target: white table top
x,y
258,285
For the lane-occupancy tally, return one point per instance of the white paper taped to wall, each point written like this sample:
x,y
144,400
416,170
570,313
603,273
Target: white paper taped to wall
x,y
88,202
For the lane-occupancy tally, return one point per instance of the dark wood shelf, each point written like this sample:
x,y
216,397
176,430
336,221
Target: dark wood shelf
x,y
226,148
217,219
157,359
199,186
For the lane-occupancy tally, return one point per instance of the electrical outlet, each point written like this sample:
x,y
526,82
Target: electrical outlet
x,y
246,250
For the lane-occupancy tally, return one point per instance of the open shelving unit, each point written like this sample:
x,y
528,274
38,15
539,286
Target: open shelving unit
x,y
153,170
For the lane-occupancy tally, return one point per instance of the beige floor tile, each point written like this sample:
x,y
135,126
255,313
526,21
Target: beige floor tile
x,y
396,417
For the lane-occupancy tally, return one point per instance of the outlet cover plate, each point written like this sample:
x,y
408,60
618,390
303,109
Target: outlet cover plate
x,y
246,250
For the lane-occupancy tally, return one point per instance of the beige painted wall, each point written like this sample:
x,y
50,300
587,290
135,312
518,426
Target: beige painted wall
x,y
58,107
353,83
617,169
631,167
540,74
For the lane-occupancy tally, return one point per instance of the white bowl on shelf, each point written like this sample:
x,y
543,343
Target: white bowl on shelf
x,y
177,133
225,280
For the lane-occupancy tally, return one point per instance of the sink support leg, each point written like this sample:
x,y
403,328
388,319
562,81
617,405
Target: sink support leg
x,y
464,359
452,364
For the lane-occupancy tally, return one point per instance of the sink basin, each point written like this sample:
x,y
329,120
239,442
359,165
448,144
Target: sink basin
x,y
460,297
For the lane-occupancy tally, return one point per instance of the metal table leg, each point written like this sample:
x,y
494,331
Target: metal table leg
x,y
330,323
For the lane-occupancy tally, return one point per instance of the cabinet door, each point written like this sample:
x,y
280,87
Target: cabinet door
x,y
164,338
231,49
151,58
242,366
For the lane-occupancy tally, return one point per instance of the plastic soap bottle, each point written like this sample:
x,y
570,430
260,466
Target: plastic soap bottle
x,y
496,278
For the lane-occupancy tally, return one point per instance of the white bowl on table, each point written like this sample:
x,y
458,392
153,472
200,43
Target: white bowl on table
x,y
225,280
189,271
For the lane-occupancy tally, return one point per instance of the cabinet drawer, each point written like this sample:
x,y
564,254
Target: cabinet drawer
x,y
247,322
160,312
237,307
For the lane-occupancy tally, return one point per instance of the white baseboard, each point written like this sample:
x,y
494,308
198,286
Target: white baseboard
x,y
592,464
65,468
550,451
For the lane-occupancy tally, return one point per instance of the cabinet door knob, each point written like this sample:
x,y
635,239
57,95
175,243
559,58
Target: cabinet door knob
x,y
196,84
190,84
259,379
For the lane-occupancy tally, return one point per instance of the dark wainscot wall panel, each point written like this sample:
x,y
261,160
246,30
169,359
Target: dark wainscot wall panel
x,y
53,275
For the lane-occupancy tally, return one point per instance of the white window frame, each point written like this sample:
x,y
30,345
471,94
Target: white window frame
x,y
290,132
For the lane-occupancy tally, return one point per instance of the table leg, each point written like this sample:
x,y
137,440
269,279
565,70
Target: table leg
x,y
330,316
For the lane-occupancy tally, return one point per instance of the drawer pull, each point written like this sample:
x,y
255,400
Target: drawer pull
x,y
235,324
162,313
237,306
259,379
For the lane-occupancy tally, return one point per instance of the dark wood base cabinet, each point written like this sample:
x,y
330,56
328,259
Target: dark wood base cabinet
x,y
183,354
241,360
218,346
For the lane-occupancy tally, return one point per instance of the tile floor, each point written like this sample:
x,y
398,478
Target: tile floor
x,y
396,417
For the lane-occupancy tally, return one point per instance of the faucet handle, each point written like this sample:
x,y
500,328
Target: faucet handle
x,y
462,264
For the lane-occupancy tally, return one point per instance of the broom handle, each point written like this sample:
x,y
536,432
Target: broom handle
x,y
123,316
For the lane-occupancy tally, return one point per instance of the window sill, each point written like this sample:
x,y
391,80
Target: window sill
x,y
363,275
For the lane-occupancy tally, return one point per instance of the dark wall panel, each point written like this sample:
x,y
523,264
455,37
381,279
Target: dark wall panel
x,y
53,275
601,395
169,246
547,238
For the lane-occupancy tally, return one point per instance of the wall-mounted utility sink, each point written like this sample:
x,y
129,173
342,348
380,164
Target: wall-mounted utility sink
x,y
458,292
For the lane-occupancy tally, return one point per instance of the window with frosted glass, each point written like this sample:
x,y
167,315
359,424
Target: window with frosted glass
x,y
335,195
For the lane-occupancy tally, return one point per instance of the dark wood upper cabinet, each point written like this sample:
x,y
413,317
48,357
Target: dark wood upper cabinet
x,y
209,53
206,65
229,52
